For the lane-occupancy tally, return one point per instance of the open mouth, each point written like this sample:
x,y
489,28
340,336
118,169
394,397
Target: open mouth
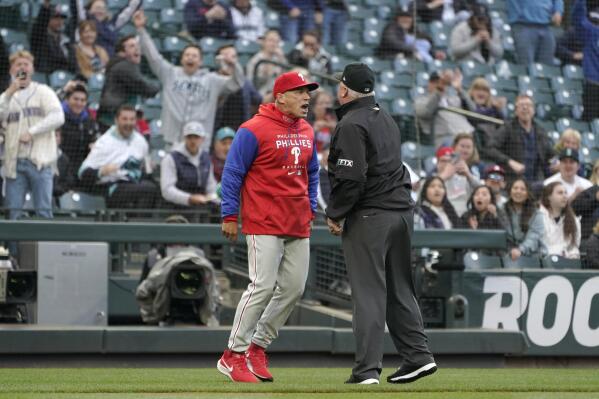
x,y
305,107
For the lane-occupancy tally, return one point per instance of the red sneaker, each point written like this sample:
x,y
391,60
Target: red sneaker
x,y
234,366
258,362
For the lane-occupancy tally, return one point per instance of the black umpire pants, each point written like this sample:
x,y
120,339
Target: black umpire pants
x,y
377,250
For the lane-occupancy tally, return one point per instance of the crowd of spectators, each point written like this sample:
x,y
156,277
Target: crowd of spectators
x,y
501,172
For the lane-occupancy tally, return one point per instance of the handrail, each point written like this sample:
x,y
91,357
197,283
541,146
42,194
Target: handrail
x,y
41,230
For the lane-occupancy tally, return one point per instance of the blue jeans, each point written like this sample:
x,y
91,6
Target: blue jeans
x,y
534,43
29,179
293,28
334,27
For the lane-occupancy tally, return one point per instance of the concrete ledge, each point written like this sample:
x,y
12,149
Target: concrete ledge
x,y
33,339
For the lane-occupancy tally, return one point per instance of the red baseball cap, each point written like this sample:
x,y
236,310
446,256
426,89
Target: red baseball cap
x,y
291,81
441,152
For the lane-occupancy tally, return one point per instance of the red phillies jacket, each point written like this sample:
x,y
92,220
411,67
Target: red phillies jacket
x,y
273,164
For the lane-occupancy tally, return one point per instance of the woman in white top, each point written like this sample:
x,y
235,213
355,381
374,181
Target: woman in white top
x,y
435,211
562,228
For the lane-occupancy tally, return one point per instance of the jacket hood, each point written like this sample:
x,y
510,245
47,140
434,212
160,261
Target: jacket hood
x,y
271,112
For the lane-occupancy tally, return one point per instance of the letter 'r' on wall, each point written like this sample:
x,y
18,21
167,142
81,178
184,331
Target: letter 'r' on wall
x,y
535,329
496,316
584,334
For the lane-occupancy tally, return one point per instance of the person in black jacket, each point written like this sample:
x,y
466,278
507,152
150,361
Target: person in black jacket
x,y
586,205
123,81
4,66
569,47
482,211
79,129
521,146
371,207
51,48
590,248
400,37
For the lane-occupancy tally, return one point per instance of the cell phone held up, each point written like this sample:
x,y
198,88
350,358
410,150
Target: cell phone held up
x,y
21,76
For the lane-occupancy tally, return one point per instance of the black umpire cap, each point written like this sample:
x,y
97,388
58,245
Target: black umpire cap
x,y
358,77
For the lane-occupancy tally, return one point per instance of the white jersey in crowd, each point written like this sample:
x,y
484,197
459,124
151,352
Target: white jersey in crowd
x,y
249,26
112,148
186,97
570,187
37,110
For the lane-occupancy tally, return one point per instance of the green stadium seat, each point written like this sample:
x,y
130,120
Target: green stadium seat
x,y
376,64
577,111
373,23
477,261
58,79
13,37
505,69
391,78
272,20
210,44
245,46
180,4
417,92
384,12
559,262
500,83
354,50
412,150
526,83
95,83
157,5
538,70
549,126
559,83
339,62
440,34
172,47
372,37
386,93
116,4
573,72
155,126
553,137
422,79
40,78
509,48
358,12
550,112
403,65
523,262
589,155
589,140
430,165
157,142
403,112
171,20
438,65
565,123
567,99
78,201
595,126
471,68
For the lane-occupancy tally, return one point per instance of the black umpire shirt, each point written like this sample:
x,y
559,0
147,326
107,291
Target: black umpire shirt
x,y
365,167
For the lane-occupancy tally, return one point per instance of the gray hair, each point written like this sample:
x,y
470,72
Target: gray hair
x,y
355,95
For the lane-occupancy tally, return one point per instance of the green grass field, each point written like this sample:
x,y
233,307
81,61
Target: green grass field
x,y
122,383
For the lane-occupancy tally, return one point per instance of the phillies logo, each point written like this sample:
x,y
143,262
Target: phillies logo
x,y
296,152
299,75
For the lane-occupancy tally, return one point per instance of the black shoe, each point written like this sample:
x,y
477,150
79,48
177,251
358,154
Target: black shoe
x,y
363,381
406,374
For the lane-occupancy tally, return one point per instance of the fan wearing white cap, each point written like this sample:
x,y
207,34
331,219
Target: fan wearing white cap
x,y
186,174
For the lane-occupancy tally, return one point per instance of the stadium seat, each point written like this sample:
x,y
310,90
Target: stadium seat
x,y
412,150
567,98
430,165
422,79
157,142
339,62
155,126
549,126
471,68
558,83
565,123
372,37
386,93
573,72
180,4
58,79
500,83
526,83
505,69
538,70
245,46
523,262
403,65
116,4
358,12
553,136
95,83
391,78
157,5
355,50
438,65
589,140
78,201
170,20
384,12
440,35
376,64
559,262
373,23
540,97
12,36
550,112
272,20
477,261
40,78
417,92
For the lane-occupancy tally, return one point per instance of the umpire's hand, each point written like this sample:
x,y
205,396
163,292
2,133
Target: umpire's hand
x,y
335,228
229,230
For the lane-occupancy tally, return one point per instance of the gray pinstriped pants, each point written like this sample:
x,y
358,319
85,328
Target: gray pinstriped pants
x,y
278,269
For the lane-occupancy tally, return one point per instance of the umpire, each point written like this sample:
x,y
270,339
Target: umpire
x,y
371,208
